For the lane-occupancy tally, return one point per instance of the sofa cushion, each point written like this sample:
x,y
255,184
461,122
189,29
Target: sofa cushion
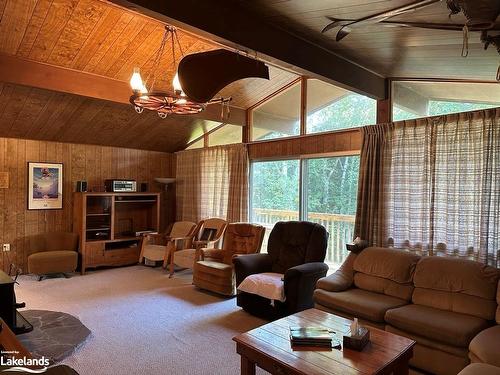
x,y
383,286
385,271
391,264
445,326
359,303
48,262
486,346
456,285
480,369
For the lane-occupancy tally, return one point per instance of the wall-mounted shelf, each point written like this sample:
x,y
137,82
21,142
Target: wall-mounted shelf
x,y
105,224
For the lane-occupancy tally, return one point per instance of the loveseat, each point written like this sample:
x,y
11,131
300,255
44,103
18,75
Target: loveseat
x,y
442,303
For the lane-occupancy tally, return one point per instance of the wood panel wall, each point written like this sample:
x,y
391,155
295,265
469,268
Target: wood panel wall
x,y
339,142
81,162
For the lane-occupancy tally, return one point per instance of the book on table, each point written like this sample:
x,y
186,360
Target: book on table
x,y
311,336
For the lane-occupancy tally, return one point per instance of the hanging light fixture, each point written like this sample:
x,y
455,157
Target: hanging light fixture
x,y
166,103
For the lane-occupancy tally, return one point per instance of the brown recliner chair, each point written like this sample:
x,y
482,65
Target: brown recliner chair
x,y
53,253
215,271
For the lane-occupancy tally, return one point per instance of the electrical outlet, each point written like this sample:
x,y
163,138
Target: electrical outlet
x,y
6,247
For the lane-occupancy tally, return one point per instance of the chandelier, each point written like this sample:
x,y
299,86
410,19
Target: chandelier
x,y
166,103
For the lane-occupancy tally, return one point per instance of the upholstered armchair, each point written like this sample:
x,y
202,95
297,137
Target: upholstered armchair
x,y
53,253
214,269
294,260
158,246
207,234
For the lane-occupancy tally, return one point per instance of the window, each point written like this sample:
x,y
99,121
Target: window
x,y
198,144
332,108
228,134
330,187
413,99
274,193
279,116
329,192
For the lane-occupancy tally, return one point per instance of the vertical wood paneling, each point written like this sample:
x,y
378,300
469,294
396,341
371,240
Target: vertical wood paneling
x,y
81,162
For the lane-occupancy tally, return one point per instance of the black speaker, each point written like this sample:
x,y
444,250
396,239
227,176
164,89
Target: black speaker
x,y
81,186
144,187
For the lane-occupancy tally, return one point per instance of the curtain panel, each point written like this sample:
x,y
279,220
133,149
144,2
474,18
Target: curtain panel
x,y
213,182
432,185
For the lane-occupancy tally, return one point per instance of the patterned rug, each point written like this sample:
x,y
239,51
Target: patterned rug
x,y
55,334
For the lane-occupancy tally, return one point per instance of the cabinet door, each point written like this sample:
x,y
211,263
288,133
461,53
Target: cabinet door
x,y
94,254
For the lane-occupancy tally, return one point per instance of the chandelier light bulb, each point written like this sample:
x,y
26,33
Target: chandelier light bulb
x,y
177,84
136,82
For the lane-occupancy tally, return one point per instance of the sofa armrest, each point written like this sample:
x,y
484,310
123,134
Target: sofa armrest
x,y
249,264
299,284
342,279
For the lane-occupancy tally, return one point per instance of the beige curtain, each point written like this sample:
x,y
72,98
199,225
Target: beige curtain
x,y
213,182
433,185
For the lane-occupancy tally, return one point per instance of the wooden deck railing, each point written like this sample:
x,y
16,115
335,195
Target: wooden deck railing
x,y
340,228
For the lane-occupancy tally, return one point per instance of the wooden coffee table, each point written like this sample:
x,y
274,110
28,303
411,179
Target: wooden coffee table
x,y
269,348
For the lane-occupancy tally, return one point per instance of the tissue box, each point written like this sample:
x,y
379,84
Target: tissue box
x,y
357,341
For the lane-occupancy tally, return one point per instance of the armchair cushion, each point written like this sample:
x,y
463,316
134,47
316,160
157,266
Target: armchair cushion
x,y
267,284
154,252
296,242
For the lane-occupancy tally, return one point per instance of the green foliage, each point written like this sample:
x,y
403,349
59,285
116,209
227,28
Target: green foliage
x,y
330,185
349,111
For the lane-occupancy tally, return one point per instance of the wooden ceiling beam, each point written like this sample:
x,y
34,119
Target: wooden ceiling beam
x,y
24,72
228,24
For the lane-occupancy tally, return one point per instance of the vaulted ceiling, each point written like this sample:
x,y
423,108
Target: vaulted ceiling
x,y
102,39
390,51
107,39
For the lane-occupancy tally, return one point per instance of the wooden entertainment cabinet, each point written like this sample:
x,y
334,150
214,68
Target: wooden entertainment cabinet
x,y
107,224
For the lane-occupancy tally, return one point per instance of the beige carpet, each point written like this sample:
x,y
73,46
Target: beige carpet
x,y
142,322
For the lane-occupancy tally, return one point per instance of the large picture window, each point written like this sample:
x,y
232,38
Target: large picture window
x,y
321,190
414,99
332,108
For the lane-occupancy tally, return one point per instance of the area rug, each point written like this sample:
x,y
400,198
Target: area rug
x,y
55,335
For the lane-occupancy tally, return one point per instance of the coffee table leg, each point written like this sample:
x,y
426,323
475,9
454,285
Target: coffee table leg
x,y
247,366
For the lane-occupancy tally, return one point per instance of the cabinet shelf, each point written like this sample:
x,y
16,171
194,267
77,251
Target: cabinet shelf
x,y
105,214
98,229
137,201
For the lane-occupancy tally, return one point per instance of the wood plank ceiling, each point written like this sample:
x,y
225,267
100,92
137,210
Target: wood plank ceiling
x,y
392,52
100,38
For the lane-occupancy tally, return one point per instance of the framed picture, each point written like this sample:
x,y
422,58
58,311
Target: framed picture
x,y
45,181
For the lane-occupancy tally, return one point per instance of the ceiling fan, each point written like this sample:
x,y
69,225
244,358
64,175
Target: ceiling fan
x,y
480,14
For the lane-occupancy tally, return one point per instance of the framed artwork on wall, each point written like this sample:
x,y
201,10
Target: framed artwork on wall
x,y
45,181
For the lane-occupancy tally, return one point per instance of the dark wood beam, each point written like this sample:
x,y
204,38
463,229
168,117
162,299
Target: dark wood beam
x,y
24,72
225,22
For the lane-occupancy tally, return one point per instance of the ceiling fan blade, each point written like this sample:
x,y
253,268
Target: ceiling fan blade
x,y
421,25
342,33
380,17
202,75
335,22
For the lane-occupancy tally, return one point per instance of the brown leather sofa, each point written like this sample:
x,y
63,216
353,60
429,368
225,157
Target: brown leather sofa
x,y
53,253
441,303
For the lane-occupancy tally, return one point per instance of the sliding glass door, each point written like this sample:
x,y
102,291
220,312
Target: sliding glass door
x,y
330,187
321,190
274,193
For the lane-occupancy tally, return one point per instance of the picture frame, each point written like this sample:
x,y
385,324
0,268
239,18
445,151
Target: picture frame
x,y
45,186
